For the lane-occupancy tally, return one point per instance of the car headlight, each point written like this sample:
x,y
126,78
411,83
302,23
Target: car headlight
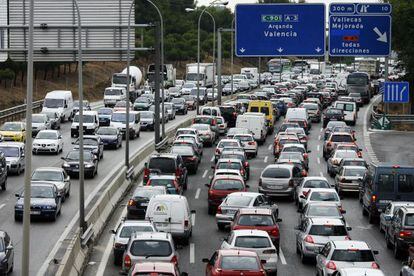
x,y
88,166
19,206
35,145
53,145
66,165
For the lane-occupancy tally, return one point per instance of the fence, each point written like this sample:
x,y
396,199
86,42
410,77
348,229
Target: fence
x,y
18,112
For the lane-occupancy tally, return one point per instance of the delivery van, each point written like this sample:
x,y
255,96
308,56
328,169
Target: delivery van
x,y
60,102
266,108
255,122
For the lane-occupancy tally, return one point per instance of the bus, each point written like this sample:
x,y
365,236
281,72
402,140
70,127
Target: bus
x,y
278,65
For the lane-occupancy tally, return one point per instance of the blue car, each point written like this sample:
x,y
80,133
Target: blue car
x,y
104,115
45,202
111,137
281,106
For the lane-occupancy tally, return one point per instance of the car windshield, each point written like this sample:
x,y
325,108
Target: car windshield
x,y
255,220
105,111
74,156
42,192
127,231
342,138
10,151
346,154
252,242
47,175
53,103
324,196
112,92
155,248
239,263
333,124
165,165
181,150
238,200
323,211
354,172
316,183
228,184
146,193
276,173
147,115
86,118
229,165
11,127
107,131
121,117
38,119
352,255
47,135
328,230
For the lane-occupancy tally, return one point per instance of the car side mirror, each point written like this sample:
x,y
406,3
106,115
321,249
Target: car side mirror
x,y
343,211
9,247
376,252
112,231
146,164
309,151
279,220
60,137
349,228
247,186
207,185
205,260
302,197
262,261
63,158
213,167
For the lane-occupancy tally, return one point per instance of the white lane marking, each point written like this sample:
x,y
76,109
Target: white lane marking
x,y
319,160
1,206
108,248
282,257
192,253
265,159
319,137
321,129
321,173
318,148
205,173
212,159
269,147
193,219
197,195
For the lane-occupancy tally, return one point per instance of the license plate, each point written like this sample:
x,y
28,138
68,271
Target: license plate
x,y
144,204
231,212
35,212
276,187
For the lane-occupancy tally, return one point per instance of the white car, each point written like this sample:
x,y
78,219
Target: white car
x,y
321,195
54,175
48,141
40,122
336,255
248,143
224,143
222,125
352,271
308,183
257,241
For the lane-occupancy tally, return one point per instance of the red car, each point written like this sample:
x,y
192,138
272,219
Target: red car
x,y
234,263
220,187
258,219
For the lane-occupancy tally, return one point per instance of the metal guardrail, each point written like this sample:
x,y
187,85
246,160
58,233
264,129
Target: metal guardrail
x,y
18,112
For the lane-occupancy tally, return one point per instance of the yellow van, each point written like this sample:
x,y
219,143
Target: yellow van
x,y
266,108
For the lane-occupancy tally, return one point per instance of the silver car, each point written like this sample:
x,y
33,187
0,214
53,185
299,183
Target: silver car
x,y
308,183
15,158
342,254
54,175
390,209
40,122
321,195
314,233
278,180
321,210
170,110
349,178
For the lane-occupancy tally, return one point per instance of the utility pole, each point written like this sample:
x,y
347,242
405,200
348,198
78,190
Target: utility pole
x,y
157,82
219,90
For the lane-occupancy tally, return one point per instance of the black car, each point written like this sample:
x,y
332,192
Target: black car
x,y
104,115
6,253
91,143
45,202
137,204
229,113
332,114
71,163
3,171
111,137
142,103
86,106
180,105
189,155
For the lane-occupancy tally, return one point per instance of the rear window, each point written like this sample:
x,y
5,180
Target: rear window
x,y
254,109
354,172
343,255
252,242
328,230
316,184
405,183
345,107
342,138
183,150
255,220
239,263
127,231
324,196
238,200
228,184
354,163
244,138
323,211
165,165
228,144
385,183
229,166
276,173
151,248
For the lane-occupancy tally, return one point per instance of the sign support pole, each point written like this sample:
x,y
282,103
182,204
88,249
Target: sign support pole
x,y
157,82
219,90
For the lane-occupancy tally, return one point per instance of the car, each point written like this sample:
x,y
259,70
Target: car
x,y
189,155
49,141
229,113
295,157
167,164
53,118
313,110
279,180
121,106
205,133
332,114
92,143
281,140
286,125
104,115
222,125
308,183
186,130
147,120
6,253
71,163
190,102
346,129
336,138
262,216
40,122
360,162
231,262
330,126
321,210
142,103
231,164
222,185
149,246
225,143
15,156
256,241
212,94
208,120
13,131
349,179
300,133
389,211
349,146
187,87
157,268
356,98
45,202
233,153
313,233
138,202
162,114
169,182
335,159
399,234
341,254
321,195
111,137
351,271
170,110
174,91
237,130
54,175
123,232
190,139
86,106
248,143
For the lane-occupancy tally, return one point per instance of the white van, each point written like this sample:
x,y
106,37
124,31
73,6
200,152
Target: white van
x,y
90,123
118,120
297,113
171,214
112,95
350,111
211,111
255,122
59,102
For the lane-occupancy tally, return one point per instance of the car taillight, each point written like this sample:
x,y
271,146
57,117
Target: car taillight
x,y
178,173
305,193
218,210
174,259
331,265
270,251
246,164
132,202
274,232
218,151
373,198
192,158
251,143
374,265
305,155
405,233
127,262
309,239
291,183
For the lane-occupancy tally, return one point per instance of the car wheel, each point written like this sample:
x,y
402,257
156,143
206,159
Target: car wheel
x,y
4,185
397,252
221,227
387,241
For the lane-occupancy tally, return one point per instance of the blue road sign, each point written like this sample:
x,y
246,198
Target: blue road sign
x,y
280,30
360,29
396,92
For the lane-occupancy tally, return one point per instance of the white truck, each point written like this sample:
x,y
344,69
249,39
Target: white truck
x,y
169,75
252,73
206,77
135,78
255,122
112,95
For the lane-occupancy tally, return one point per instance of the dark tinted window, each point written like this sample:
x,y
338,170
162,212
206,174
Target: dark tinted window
x,y
239,263
165,165
316,184
228,184
255,220
405,183
385,183
265,110
254,109
229,165
127,231
151,247
276,173
328,230
323,211
353,256
342,138
252,242
227,109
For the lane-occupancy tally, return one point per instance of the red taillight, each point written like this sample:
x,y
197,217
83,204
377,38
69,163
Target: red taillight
x,y
374,265
396,166
405,233
305,155
218,151
309,239
127,262
373,198
347,238
305,193
131,202
146,173
331,265
246,164
291,183
218,210
178,173
192,158
174,259
251,143
274,232
234,114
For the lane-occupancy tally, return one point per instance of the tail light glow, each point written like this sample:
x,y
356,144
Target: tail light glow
x,y
127,262
309,239
331,265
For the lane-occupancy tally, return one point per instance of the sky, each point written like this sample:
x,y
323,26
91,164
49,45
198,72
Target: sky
x,y
232,3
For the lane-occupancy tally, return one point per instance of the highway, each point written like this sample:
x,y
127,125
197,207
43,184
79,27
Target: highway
x,y
207,238
43,234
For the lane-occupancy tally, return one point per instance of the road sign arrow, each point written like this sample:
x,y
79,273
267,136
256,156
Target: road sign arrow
x,y
318,49
242,50
382,37
280,49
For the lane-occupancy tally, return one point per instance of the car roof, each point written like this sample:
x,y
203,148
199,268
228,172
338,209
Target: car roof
x,y
354,167
43,183
151,235
163,176
341,133
136,222
156,267
229,140
228,160
350,244
228,177
235,252
57,169
326,221
322,190
250,232
250,194
315,178
12,144
285,166
255,211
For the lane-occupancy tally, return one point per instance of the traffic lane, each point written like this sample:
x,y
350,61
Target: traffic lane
x,y
389,146
43,236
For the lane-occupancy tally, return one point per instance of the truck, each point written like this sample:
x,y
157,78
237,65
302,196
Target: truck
x,y
169,73
135,78
112,95
206,77
371,66
252,73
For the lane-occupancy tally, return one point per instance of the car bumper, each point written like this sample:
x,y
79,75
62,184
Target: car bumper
x,y
44,149
37,213
348,187
224,219
274,192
